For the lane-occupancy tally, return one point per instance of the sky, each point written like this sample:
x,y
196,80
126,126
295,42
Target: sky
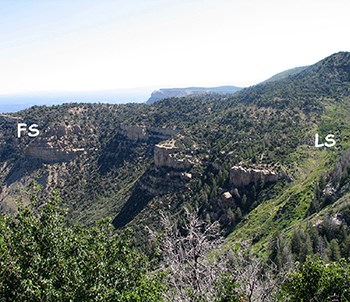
x,y
90,45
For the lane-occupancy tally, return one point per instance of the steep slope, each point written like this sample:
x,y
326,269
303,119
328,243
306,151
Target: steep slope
x,y
92,153
275,127
285,74
323,82
295,207
270,125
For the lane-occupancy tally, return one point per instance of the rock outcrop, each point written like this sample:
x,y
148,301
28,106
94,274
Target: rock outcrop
x,y
240,176
226,201
135,133
142,133
48,152
55,145
166,154
226,196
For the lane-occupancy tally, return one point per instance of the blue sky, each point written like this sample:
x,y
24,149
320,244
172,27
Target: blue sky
x,y
95,45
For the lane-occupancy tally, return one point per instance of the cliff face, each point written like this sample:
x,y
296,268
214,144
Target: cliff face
x,y
135,133
241,177
62,143
52,145
48,152
58,154
55,145
167,155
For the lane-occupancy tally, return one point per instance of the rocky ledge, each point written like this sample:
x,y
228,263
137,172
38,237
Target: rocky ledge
x,y
47,152
54,145
241,176
166,154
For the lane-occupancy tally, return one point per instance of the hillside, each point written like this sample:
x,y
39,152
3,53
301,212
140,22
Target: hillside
x,y
246,160
285,74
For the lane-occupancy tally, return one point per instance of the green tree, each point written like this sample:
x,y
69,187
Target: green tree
x,y
345,245
317,280
231,217
244,201
315,238
279,251
334,250
238,214
306,248
42,259
314,207
296,244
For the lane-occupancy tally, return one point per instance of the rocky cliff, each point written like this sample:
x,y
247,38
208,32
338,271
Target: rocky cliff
x,y
57,144
241,176
135,133
47,151
166,154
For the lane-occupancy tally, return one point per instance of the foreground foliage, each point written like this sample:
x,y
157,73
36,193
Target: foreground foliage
x,y
317,280
197,270
42,259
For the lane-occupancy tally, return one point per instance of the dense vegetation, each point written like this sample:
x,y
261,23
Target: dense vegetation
x,y
44,259
284,240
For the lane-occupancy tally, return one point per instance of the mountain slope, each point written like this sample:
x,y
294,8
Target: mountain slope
x,y
246,160
285,74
